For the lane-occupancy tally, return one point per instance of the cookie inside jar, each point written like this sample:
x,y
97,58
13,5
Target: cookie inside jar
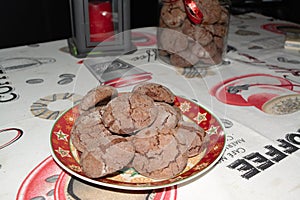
x,y
193,32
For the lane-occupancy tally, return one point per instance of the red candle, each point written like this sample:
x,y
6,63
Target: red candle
x,y
101,20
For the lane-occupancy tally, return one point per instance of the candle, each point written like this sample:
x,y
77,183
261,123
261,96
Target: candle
x,y
101,20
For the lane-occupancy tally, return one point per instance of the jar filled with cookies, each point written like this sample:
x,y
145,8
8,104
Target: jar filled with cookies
x,y
193,33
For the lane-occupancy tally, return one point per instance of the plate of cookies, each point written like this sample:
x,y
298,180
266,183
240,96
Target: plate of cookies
x,y
147,138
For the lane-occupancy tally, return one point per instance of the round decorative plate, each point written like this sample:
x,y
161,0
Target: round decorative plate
x,y
66,155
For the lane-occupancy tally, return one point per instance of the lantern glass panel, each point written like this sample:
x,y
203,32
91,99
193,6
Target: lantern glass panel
x,y
100,27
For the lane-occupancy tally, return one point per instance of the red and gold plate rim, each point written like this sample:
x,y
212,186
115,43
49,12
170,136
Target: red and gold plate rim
x,y
65,154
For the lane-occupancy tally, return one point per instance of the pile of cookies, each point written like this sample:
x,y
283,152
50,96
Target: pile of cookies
x,y
183,43
141,129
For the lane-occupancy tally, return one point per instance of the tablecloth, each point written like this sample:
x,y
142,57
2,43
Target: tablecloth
x,y
39,82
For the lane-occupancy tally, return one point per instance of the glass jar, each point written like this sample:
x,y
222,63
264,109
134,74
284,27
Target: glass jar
x,y
193,32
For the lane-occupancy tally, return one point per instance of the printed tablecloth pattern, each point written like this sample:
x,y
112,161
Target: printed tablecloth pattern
x,y
256,93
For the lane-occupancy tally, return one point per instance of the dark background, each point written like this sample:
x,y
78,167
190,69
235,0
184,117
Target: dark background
x,y
26,22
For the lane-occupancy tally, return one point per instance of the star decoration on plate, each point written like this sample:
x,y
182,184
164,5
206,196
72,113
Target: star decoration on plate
x,y
200,117
185,106
75,168
63,153
212,130
61,135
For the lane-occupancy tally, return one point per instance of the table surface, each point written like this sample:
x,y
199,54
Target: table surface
x,y
261,158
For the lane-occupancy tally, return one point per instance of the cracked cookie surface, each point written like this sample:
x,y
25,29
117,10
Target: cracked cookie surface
x,y
158,154
99,95
112,155
129,113
156,91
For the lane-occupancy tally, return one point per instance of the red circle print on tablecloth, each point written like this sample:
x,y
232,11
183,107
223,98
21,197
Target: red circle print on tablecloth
x,y
48,181
259,90
11,135
281,28
40,182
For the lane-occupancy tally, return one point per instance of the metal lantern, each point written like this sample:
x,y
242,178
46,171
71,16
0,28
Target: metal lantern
x,y
100,27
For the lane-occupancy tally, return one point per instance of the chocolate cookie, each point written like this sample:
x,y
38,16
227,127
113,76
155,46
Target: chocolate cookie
x,y
173,41
194,135
167,117
185,58
112,155
156,91
173,14
198,33
202,36
158,154
99,95
220,30
200,51
211,11
88,130
129,113
219,41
